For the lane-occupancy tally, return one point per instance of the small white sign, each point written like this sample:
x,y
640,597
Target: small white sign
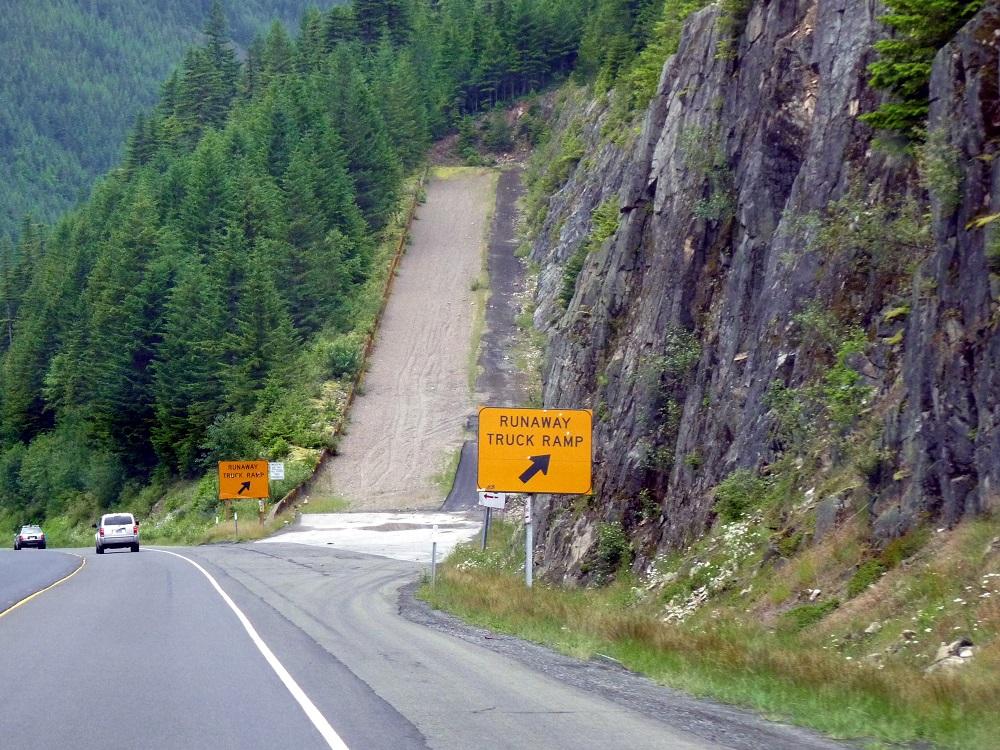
x,y
493,499
276,470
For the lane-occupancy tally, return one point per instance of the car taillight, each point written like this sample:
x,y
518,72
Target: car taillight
x,y
100,531
20,537
135,529
41,536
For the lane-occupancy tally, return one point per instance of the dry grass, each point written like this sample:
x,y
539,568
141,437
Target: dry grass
x,y
334,504
788,675
250,528
482,284
444,172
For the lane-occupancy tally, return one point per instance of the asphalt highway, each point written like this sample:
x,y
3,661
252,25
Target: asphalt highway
x,y
459,696
139,650
30,570
143,650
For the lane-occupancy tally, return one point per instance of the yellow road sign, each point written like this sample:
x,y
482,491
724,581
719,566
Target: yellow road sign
x,y
240,480
535,450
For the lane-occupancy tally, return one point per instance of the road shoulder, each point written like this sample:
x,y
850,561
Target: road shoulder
x,y
716,722
29,572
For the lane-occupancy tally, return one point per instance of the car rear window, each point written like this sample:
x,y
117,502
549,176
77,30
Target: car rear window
x,y
117,520
31,530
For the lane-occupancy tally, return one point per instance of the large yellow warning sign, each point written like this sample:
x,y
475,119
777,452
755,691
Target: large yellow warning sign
x,y
535,450
240,480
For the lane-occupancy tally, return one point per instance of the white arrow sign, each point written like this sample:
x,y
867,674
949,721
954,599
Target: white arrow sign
x,y
493,499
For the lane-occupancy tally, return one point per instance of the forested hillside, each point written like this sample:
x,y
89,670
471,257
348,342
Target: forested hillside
x,y
202,301
75,75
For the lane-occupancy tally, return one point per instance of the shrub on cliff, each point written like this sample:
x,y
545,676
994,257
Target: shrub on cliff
x,y
904,66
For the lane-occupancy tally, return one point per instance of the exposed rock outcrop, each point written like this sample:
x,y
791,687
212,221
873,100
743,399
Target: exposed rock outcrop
x,y
952,656
684,321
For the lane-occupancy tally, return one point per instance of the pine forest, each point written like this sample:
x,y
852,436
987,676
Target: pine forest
x,y
200,303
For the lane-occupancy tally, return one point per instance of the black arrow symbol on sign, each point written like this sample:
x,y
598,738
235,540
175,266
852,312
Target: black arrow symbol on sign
x,y
245,487
538,464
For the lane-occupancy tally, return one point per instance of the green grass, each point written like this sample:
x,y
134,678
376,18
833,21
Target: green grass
x,y
785,674
451,172
481,285
324,505
444,478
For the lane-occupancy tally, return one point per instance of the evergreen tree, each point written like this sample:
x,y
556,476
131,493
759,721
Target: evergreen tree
x,y
278,57
260,210
339,26
305,219
37,331
18,265
187,393
220,50
208,202
333,187
371,161
261,342
904,66
140,146
373,17
123,312
403,103
281,134
249,82
311,47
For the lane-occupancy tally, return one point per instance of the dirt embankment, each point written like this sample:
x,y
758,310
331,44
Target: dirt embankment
x,y
416,397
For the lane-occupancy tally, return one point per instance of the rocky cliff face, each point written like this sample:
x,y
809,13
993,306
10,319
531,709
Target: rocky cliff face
x,y
775,290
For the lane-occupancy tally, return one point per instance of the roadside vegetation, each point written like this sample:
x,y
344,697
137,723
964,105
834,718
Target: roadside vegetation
x,y
903,68
717,620
790,603
214,297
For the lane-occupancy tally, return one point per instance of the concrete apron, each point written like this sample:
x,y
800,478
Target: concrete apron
x,y
399,536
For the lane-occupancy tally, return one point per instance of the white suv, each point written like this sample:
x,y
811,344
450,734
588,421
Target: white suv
x,y
116,530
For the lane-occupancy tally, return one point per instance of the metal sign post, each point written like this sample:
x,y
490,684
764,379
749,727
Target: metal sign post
x,y
486,526
489,501
529,544
236,522
434,555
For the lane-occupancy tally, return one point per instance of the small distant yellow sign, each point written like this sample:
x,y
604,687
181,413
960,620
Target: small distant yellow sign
x,y
242,480
535,450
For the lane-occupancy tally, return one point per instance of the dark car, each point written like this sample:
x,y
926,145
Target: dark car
x,y
30,536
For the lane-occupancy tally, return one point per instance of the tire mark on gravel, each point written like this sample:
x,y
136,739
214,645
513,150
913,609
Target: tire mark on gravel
x,y
416,393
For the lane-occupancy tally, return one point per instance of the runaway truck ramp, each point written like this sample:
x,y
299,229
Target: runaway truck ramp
x,y
416,397
501,381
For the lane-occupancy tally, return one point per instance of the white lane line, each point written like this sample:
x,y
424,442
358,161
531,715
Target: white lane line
x,y
319,721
